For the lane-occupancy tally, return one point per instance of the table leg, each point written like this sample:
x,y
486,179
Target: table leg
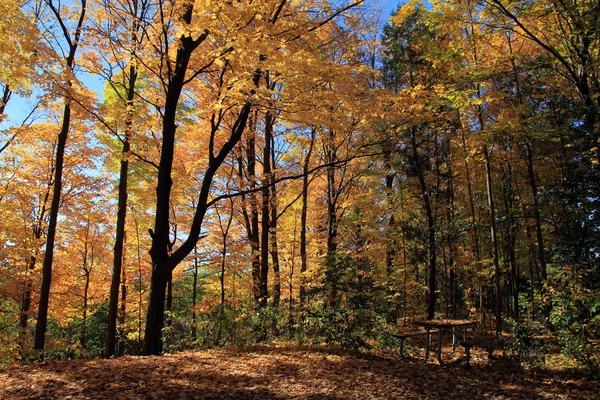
x,y
402,348
427,340
453,339
439,349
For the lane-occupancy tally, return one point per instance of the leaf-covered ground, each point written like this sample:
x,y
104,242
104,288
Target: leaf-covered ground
x,y
285,372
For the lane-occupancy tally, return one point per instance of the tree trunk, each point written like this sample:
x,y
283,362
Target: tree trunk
x,y
251,220
431,284
273,234
195,296
6,92
85,309
332,230
303,221
390,251
492,213
538,231
42,320
121,220
265,212
159,251
122,313
510,240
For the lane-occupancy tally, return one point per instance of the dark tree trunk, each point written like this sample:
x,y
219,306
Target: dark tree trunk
x,y
26,299
225,234
452,243
159,251
251,220
303,221
273,234
170,292
332,223
195,296
492,213
265,212
42,320
538,231
111,330
390,251
510,240
40,329
163,263
155,315
86,289
140,279
431,284
6,92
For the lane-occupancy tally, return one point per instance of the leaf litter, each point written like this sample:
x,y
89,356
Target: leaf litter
x,y
285,372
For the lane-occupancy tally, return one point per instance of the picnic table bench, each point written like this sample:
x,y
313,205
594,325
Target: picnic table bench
x,y
487,342
441,326
403,335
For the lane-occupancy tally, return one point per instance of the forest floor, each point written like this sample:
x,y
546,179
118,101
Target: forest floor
x,y
289,372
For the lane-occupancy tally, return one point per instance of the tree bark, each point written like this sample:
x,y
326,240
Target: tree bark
x,y
431,284
303,221
332,229
195,295
492,213
122,313
265,212
538,231
6,93
273,234
40,329
121,220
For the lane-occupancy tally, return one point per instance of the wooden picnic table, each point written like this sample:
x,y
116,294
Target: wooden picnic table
x,y
441,326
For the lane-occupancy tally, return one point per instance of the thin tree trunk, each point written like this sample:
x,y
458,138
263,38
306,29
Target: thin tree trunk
x,y
86,287
121,220
509,198
265,212
291,321
122,313
26,299
140,280
273,235
538,231
390,252
251,220
431,284
332,230
492,213
195,295
225,234
303,221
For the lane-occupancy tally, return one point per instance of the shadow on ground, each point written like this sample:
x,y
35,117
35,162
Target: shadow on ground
x,y
285,372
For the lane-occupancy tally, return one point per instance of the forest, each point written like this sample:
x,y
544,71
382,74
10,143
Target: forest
x,y
177,175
